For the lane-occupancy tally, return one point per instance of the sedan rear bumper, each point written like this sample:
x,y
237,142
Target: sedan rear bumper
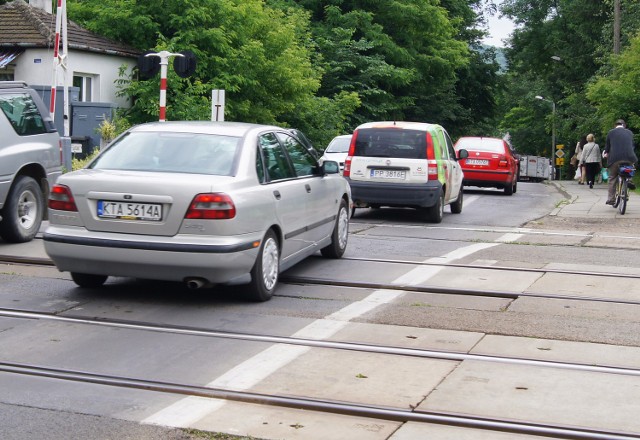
x,y
175,259
395,194
487,177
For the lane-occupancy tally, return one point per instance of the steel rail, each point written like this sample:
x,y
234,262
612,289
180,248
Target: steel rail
x,y
47,262
503,268
328,406
292,279
317,343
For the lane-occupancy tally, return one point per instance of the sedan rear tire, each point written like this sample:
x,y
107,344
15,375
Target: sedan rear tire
x,y
266,270
508,189
88,280
340,234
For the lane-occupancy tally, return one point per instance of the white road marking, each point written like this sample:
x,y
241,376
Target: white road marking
x,y
187,411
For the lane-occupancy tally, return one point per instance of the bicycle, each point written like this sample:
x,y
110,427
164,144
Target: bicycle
x,y
625,173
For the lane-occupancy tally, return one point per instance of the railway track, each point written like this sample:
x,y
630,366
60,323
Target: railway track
x,y
372,411
316,404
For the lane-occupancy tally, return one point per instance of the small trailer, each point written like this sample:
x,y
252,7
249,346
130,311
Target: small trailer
x,y
534,168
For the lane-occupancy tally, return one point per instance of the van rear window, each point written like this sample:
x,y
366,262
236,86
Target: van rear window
x,y
391,142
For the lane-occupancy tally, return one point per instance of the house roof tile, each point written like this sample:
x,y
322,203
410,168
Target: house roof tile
x,y
24,26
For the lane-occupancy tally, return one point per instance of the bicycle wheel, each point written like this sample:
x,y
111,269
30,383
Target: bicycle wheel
x,y
624,194
616,200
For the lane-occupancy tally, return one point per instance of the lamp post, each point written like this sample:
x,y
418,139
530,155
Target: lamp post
x,y
553,131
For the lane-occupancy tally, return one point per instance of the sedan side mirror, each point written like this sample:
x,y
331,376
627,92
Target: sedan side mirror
x,y
330,167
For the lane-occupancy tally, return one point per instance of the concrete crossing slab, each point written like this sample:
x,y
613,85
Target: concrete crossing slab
x,y
408,337
542,395
268,422
415,431
357,377
559,351
489,279
586,286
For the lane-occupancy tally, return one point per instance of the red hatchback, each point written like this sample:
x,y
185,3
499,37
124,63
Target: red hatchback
x,y
491,163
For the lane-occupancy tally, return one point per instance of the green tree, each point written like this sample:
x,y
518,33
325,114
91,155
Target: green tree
x,y
616,94
259,55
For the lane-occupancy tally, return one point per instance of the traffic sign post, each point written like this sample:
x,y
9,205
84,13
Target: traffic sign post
x,y
560,159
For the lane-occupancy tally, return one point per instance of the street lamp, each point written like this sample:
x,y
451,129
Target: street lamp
x,y
553,130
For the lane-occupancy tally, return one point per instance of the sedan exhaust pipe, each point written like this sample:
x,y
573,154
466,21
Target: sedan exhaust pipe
x,y
197,283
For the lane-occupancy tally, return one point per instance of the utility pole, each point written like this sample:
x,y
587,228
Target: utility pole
x,y
617,18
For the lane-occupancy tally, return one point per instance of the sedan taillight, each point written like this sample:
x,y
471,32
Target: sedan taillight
x,y
213,206
61,199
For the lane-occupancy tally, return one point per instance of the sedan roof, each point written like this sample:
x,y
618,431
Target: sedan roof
x,y
238,129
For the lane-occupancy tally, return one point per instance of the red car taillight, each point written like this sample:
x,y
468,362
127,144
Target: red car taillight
x,y
346,172
432,164
503,162
61,199
214,206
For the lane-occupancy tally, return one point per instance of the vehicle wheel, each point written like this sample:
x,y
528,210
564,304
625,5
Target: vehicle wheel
x,y
624,195
340,234
23,211
266,270
88,280
456,207
616,201
508,189
436,212
515,186
353,211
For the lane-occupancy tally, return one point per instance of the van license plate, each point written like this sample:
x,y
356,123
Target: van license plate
x,y
129,211
388,174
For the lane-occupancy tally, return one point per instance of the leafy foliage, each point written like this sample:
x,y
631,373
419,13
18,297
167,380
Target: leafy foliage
x,y
323,67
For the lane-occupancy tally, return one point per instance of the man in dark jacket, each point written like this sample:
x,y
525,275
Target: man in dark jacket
x,y
618,151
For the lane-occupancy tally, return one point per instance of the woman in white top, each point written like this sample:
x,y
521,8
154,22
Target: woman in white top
x,y
591,159
579,147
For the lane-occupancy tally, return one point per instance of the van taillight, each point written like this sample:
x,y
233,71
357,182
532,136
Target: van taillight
x,y
346,172
213,206
432,164
61,199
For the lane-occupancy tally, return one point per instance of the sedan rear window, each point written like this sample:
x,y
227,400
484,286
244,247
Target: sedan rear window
x,y
481,144
171,152
339,145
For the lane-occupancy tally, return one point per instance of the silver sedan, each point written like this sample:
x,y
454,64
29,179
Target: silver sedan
x,y
199,202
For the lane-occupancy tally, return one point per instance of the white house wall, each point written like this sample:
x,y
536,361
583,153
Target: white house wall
x,y
35,66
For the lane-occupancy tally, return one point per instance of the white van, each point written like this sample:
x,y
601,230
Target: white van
x,y
405,164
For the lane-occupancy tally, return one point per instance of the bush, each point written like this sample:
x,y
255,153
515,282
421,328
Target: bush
x,y
77,164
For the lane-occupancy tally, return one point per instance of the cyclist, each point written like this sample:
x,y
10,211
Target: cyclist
x,y
619,151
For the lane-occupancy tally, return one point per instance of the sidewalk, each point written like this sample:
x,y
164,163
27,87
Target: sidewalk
x,y
586,202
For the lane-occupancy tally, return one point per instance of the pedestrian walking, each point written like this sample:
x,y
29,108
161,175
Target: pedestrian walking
x,y
591,159
619,151
578,155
